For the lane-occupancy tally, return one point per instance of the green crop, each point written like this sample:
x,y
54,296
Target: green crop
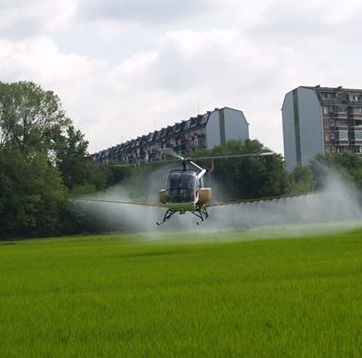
x,y
128,296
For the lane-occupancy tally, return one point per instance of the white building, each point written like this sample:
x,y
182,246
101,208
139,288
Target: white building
x,y
203,131
320,120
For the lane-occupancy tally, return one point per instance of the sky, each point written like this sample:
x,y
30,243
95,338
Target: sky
x,y
124,68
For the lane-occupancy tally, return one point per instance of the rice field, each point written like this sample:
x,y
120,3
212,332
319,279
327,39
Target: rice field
x,y
227,296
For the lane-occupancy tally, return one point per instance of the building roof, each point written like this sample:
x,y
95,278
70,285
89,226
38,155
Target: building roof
x,y
335,95
319,88
189,125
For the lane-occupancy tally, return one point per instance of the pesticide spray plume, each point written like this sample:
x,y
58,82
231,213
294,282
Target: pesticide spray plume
x,y
335,207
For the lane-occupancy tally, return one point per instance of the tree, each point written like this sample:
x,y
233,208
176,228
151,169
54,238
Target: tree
x,y
347,164
42,155
301,181
248,177
29,117
31,196
72,158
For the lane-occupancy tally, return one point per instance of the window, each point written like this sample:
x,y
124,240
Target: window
x,y
353,97
181,186
204,119
187,125
328,95
193,122
326,137
340,109
358,135
343,135
169,130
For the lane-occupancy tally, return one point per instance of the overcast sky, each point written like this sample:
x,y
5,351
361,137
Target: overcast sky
x,y
124,68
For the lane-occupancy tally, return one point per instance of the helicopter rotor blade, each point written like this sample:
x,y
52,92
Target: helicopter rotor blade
x,y
233,155
172,153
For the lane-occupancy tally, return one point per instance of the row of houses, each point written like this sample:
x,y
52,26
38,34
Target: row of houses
x,y
202,131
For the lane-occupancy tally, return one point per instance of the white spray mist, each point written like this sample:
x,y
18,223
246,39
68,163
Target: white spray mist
x,y
336,203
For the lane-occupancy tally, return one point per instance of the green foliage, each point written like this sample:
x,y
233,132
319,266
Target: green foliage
x,y
29,117
136,180
346,164
31,195
301,181
248,177
305,179
118,173
72,159
42,158
126,297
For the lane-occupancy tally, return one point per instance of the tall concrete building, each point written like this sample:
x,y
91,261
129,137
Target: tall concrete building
x,y
320,120
202,131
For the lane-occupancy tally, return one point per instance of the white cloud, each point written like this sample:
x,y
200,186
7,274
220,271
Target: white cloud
x,y
38,59
21,19
146,11
126,68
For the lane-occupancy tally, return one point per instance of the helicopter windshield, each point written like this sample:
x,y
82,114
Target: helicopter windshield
x,y
181,186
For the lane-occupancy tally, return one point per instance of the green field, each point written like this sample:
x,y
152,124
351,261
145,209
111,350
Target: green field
x,y
225,296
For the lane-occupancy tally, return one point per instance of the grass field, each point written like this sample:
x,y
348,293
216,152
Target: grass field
x,y
129,296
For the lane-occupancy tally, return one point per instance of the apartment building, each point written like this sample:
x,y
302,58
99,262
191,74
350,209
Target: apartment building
x,y
202,131
320,120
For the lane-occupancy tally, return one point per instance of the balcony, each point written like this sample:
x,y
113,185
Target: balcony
x,y
340,115
356,135
340,137
357,116
341,127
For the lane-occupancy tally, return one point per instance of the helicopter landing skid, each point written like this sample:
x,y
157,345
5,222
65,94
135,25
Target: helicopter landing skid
x,y
201,213
168,214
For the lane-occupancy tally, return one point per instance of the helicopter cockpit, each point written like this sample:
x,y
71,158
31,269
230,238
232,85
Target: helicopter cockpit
x,y
181,186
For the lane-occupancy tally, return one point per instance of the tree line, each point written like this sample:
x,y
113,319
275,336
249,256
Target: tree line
x,y
43,159
44,162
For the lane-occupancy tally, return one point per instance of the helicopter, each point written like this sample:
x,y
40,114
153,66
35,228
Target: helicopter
x,y
185,190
